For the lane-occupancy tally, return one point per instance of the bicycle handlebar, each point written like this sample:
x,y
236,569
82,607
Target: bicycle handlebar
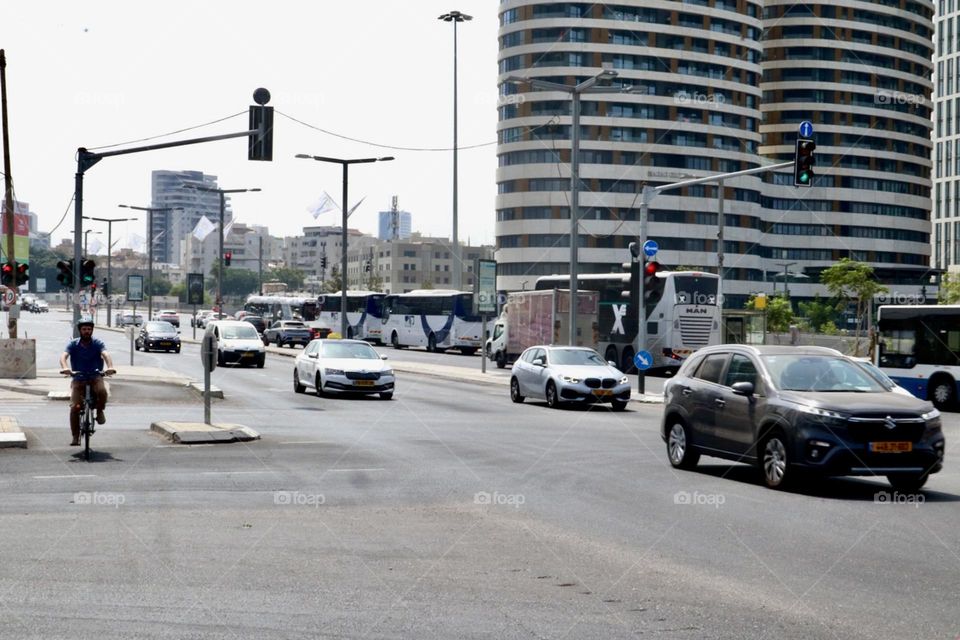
x,y
108,372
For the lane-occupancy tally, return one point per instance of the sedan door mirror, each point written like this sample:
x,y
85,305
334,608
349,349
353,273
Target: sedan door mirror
x,y
384,358
743,388
313,355
538,362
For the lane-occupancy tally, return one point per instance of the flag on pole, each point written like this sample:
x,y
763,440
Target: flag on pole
x,y
203,229
322,205
356,205
137,242
93,248
229,227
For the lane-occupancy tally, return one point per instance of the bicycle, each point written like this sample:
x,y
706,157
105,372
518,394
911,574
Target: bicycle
x,y
87,416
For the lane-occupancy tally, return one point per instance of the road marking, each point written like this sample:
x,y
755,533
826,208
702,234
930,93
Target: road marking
x,y
378,469
215,473
304,442
182,446
55,477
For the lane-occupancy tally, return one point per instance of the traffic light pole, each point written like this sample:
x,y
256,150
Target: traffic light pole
x,y
647,196
8,198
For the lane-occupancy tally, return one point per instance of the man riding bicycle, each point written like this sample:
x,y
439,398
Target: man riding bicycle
x,y
87,355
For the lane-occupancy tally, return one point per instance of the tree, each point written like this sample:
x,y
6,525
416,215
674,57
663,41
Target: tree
x,y
779,312
849,280
949,289
293,278
427,284
236,282
160,286
374,282
333,284
818,312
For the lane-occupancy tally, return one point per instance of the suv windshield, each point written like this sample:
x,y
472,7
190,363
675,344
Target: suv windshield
x,y
576,357
820,373
239,333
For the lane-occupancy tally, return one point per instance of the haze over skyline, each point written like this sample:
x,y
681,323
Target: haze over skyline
x,y
96,75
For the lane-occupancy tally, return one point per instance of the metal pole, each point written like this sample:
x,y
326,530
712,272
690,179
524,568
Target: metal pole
x,y
149,265
343,259
77,232
132,330
109,273
261,264
645,198
720,223
574,216
220,257
483,332
457,268
8,198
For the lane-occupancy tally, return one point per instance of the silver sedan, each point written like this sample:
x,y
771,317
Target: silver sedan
x,y
568,374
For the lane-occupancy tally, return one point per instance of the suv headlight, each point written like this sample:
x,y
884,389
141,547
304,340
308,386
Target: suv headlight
x,y
333,372
931,415
821,413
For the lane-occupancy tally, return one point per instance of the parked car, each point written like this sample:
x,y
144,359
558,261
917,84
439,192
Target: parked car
x,y
237,342
169,315
342,366
568,374
127,318
158,335
283,332
791,409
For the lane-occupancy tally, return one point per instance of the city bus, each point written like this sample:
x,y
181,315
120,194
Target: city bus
x,y
682,315
273,308
918,346
438,319
364,313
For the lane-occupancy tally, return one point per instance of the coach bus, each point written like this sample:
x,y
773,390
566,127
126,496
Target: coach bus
x,y
438,319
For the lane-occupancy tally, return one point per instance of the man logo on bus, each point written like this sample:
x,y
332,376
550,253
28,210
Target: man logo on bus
x,y
619,311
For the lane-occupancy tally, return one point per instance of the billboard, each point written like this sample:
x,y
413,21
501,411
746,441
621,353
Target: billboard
x,y
194,288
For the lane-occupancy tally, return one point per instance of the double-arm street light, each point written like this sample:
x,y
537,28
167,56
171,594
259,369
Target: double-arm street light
x,y
223,206
109,287
587,86
150,211
455,17
343,238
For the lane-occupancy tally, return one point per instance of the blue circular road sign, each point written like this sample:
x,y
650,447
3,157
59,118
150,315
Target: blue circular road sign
x,y
650,248
643,360
806,129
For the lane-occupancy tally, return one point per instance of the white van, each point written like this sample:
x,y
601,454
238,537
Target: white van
x,y
237,342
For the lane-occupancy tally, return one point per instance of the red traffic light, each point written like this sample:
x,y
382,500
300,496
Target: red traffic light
x,y
7,273
651,268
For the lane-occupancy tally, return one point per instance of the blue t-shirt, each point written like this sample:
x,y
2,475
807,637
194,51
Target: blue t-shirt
x,y
88,359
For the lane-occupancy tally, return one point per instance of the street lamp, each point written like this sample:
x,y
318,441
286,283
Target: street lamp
x,y
109,222
343,238
455,17
150,211
85,233
223,206
587,86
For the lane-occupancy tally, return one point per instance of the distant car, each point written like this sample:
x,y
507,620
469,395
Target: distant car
x,y
195,321
284,332
794,409
127,318
158,335
568,374
237,342
211,316
343,366
41,306
257,322
169,315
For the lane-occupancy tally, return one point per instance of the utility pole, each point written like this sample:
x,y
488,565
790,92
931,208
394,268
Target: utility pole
x,y
261,263
8,187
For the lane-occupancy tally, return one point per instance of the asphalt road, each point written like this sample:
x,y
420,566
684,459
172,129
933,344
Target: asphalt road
x,y
446,512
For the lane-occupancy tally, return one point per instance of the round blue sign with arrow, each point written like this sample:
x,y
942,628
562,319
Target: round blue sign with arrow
x,y
806,129
650,248
643,360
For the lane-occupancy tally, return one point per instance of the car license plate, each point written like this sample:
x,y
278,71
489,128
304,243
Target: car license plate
x,y
166,344
363,383
246,354
891,447
602,392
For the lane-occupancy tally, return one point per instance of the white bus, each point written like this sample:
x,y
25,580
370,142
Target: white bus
x,y
273,308
919,348
438,319
682,314
364,313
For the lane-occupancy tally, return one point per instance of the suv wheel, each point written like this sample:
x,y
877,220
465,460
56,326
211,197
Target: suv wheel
x,y
907,482
774,464
679,447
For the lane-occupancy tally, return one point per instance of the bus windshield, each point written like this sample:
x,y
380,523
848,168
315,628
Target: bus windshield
x,y
696,289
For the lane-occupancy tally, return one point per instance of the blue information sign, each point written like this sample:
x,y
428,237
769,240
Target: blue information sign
x,y
806,129
650,248
643,360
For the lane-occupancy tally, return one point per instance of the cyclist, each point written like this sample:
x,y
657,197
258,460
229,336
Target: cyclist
x,y
87,356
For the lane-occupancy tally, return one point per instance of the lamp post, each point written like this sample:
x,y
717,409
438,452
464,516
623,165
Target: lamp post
x,y
223,206
786,274
343,238
109,222
85,233
587,86
455,17
150,211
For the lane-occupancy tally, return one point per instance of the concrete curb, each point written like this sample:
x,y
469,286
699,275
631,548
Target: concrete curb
x,y
10,433
215,392
202,433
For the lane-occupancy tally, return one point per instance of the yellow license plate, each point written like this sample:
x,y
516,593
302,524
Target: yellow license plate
x,y
602,392
363,383
166,344
891,447
246,355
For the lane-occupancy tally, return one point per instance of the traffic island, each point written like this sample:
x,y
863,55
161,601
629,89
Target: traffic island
x,y
202,433
10,433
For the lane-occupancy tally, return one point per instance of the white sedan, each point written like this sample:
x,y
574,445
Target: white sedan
x,y
342,366
568,374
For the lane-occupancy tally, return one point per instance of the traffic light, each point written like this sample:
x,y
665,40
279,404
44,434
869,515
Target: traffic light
x,y
104,287
65,275
323,262
6,274
87,276
652,285
23,273
227,257
93,288
366,267
803,163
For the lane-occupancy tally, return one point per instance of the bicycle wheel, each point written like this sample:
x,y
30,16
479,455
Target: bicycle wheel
x,y
85,429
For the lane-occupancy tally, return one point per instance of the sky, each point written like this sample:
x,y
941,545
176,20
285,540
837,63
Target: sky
x,y
100,73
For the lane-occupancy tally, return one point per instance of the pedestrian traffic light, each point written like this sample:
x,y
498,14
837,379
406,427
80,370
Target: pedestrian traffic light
x,y
227,257
93,288
803,163
87,277
23,273
6,273
65,275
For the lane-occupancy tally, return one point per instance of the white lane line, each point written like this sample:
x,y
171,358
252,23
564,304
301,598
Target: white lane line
x,y
378,469
182,446
216,473
90,475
